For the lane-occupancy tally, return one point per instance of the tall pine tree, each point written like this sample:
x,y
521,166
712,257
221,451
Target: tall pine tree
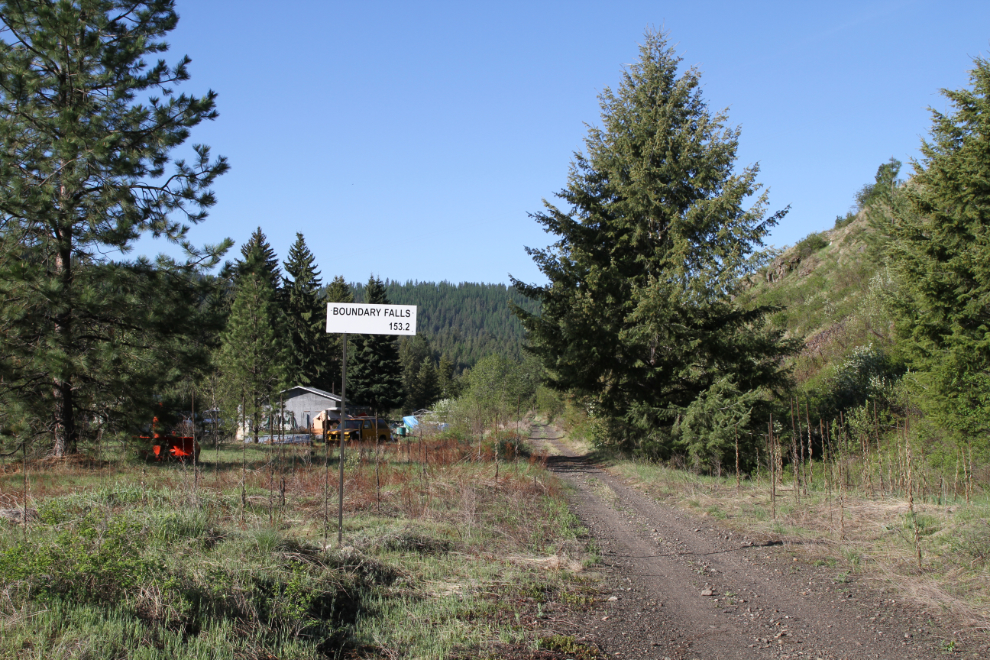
x,y
86,132
639,313
305,318
376,375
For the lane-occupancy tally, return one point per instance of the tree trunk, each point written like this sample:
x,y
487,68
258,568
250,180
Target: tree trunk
x,y
64,426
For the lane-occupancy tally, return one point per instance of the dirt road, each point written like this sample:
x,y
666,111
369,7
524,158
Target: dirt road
x,y
682,587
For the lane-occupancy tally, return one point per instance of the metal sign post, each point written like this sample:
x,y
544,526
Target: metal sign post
x,y
365,319
343,416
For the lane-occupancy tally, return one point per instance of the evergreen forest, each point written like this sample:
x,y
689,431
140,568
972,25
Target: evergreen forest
x,y
464,321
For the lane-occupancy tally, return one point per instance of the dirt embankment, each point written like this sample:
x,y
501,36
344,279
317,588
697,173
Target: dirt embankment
x,y
683,587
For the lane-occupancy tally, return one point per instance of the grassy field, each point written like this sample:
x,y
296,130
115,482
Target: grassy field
x,y
850,529
237,557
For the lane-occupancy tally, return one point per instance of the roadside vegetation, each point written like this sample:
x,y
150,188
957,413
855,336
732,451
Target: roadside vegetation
x,y
888,516
236,557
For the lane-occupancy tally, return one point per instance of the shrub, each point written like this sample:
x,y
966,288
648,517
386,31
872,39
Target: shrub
x,y
842,221
811,244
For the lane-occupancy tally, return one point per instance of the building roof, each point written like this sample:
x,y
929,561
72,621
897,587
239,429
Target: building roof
x,y
316,391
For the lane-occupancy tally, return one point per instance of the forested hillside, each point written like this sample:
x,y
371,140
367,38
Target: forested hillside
x,y
465,321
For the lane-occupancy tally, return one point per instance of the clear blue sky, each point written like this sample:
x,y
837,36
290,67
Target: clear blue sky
x,y
412,139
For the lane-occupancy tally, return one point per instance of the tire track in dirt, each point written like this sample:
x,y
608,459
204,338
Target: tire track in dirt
x,y
684,588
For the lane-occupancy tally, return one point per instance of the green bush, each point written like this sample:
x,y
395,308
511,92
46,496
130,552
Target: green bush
x,y
842,221
508,446
811,244
168,570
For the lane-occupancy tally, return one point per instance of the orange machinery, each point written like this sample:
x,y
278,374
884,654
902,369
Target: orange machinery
x,y
170,447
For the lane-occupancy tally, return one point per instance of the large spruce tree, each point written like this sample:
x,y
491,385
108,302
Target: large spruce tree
x,y
306,318
376,375
941,249
86,132
639,313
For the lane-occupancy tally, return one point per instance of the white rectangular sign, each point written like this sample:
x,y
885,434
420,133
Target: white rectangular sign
x,y
367,319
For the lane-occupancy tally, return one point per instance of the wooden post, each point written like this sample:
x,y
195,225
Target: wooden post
x,y
876,435
827,454
738,482
24,469
243,457
378,480
811,459
910,490
773,468
794,456
969,472
326,478
843,477
195,461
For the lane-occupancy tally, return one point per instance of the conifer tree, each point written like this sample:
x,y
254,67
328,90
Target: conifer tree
x,y
253,355
258,257
376,377
941,251
86,132
639,311
424,387
305,317
412,353
445,378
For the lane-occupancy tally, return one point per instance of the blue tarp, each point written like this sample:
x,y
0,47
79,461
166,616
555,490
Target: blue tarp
x,y
411,423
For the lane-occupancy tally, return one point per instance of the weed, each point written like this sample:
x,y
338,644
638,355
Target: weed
x,y
716,512
567,644
582,601
927,525
410,541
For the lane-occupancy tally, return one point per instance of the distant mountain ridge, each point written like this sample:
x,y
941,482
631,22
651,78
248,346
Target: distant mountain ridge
x,y
464,321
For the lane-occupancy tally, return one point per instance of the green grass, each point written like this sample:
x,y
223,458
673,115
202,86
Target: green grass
x,y
127,560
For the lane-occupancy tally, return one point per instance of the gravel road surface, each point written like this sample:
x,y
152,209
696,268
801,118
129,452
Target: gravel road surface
x,y
682,587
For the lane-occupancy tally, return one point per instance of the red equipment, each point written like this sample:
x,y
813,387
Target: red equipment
x,y
171,447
